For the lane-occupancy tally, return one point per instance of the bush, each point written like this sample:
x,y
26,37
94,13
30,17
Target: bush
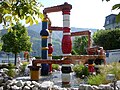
x,y
56,57
96,80
55,66
23,67
113,68
11,72
38,57
80,70
11,66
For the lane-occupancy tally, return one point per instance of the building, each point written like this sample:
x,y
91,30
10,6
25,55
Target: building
x,y
112,55
110,22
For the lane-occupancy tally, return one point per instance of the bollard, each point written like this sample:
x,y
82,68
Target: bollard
x,y
66,70
34,72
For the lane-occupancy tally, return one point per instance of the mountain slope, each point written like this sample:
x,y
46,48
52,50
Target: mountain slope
x,y
34,33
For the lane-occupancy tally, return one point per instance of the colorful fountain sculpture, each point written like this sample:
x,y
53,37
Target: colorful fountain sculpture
x,y
47,49
66,40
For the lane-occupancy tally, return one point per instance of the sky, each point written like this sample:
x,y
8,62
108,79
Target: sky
x,y
84,13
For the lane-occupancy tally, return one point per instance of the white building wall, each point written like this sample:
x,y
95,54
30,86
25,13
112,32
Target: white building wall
x,y
113,56
112,26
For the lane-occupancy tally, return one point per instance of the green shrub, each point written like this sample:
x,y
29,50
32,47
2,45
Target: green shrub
x,y
80,70
11,66
56,57
112,68
55,66
38,57
11,73
96,80
23,67
85,71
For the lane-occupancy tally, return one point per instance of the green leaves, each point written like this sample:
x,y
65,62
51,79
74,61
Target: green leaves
x,y
118,18
8,18
109,39
16,40
106,0
116,6
80,44
14,11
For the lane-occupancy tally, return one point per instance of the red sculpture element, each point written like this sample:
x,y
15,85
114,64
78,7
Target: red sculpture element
x,y
66,11
101,51
57,8
56,28
50,48
53,61
66,41
91,68
88,33
26,54
95,50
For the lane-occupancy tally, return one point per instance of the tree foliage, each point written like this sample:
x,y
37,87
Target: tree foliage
x,y
16,40
12,11
109,39
80,44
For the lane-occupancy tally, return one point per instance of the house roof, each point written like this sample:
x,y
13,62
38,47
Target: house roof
x,y
110,19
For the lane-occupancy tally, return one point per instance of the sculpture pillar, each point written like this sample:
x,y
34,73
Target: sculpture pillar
x,y
44,54
66,44
50,50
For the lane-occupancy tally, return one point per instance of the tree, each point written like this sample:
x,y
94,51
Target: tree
x,y
80,45
12,11
109,39
116,7
16,40
0,43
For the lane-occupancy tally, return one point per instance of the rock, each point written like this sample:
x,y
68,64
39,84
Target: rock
x,y
1,80
14,82
5,70
46,85
36,84
95,87
118,84
85,87
89,88
63,89
0,74
31,86
74,88
6,78
55,87
81,87
105,87
1,88
8,82
8,87
14,87
27,83
1,71
20,83
35,88
26,88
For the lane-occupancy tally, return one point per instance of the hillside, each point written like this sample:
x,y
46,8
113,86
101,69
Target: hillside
x,y
34,33
56,36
